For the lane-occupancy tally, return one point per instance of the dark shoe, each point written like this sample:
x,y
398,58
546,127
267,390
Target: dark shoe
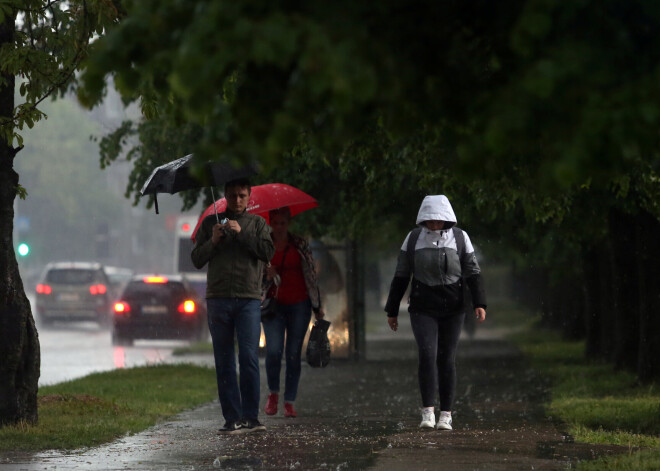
x,y
289,411
271,404
231,428
252,425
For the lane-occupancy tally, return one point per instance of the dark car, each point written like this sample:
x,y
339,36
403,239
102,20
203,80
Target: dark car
x,y
158,307
74,291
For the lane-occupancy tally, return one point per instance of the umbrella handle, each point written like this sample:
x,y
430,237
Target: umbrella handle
x,y
215,207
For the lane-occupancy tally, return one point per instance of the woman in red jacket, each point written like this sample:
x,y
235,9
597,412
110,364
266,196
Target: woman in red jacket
x,y
296,291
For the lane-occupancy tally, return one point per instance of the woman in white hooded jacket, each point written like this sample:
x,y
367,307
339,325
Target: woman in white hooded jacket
x,y
439,262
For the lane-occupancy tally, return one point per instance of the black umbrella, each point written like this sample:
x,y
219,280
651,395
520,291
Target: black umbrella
x,y
175,176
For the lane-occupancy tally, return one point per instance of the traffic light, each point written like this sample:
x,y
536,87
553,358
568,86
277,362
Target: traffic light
x,y
23,247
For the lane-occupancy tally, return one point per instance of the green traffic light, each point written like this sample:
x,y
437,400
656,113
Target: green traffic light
x,y
23,249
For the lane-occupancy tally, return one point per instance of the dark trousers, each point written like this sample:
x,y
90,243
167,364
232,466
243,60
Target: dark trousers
x,y
294,321
239,317
437,339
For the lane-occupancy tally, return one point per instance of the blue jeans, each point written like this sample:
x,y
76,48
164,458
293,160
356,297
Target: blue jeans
x,y
294,320
241,316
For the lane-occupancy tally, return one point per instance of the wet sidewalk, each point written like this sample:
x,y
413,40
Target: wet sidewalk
x,y
362,415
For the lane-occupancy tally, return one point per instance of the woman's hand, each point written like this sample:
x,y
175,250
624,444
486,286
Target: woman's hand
x,y
393,322
480,314
319,315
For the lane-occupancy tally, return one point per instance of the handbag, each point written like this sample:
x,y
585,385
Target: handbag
x,y
268,306
318,345
269,303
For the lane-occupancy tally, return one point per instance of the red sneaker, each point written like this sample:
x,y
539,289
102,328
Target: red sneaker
x,y
271,404
289,411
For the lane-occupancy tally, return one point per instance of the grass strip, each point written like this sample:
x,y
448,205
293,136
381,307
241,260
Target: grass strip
x,y
195,348
598,404
101,407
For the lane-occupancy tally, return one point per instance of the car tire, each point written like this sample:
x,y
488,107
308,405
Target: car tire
x,y
119,340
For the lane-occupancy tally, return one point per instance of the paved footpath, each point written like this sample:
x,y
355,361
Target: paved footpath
x,y
362,415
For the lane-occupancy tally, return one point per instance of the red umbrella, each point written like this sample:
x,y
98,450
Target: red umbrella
x,y
265,198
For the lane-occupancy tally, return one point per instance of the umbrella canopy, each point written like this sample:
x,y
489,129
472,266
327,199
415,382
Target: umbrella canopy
x,y
265,198
175,176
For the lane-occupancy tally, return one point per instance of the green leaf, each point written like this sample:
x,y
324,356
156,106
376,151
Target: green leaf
x,y
21,192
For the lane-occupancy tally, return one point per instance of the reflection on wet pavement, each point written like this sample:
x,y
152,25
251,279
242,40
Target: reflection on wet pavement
x,y
73,350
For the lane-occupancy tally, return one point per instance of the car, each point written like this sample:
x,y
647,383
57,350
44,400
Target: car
x,y
73,291
118,277
154,306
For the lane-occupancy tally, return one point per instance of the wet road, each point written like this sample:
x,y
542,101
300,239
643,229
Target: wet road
x,y
75,349
71,350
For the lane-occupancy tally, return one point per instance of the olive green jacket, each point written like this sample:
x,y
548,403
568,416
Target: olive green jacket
x,y
236,263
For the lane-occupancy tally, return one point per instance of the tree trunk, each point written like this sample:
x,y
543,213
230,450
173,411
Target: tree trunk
x,y
19,342
648,234
572,307
593,302
626,290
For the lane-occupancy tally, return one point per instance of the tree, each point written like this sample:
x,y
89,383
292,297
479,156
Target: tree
x,y
540,116
534,87
42,44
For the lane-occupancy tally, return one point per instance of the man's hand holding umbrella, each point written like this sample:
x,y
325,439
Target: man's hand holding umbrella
x,y
218,233
221,230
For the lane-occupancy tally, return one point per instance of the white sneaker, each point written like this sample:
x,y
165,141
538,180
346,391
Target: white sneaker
x,y
428,418
444,421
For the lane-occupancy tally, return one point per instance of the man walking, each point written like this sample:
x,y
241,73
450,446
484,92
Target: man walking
x,y
236,250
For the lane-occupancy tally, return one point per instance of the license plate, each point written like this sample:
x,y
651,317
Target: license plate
x,y
68,297
154,309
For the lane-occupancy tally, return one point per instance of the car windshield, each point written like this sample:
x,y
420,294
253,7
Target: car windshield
x,y
140,288
71,276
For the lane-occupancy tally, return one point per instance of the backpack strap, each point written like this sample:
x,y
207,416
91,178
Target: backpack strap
x,y
460,242
410,248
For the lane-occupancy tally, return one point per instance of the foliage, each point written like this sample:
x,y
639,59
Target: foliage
x,y
161,140
519,107
103,406
48,44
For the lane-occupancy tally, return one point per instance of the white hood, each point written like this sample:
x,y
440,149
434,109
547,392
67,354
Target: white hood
x,y
436,208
